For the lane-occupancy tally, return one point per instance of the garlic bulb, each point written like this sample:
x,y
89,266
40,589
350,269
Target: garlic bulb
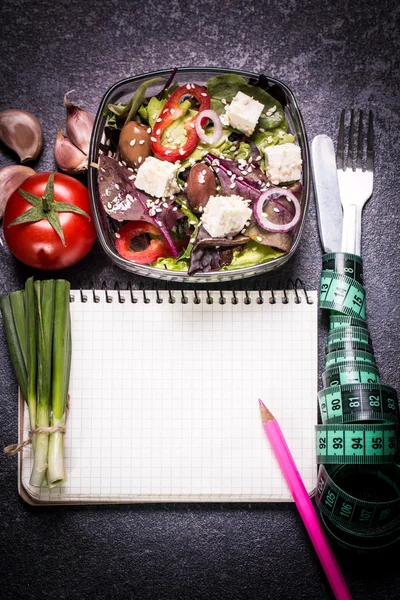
x,y
68,157
79,126
21,131
71,150
11,178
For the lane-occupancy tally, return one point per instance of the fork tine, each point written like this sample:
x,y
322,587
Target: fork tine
x,y
340,143
360,141
370,143
350,150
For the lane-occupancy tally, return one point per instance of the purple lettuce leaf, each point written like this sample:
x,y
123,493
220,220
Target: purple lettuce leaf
x,y
203,259
124,202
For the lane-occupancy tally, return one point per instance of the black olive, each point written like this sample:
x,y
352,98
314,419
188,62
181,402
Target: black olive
x,y
235,137
184,174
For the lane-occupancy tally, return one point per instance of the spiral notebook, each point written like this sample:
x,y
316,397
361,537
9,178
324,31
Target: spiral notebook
x,y
164,396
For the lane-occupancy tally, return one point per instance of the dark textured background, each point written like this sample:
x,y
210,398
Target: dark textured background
x,y
333,55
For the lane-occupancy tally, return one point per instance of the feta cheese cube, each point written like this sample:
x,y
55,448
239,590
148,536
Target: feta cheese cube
x,y
157,177
283,163
225,216
243,113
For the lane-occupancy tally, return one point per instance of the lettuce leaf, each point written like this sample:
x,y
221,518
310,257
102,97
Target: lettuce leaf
x,y
225,87
251,254
127,112
172,264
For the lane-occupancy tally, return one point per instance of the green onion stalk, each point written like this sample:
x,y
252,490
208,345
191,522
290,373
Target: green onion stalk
x,y
60,381
31,357
45,294
13,312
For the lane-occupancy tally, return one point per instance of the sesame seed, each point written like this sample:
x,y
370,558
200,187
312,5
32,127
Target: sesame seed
x,y
158,131
117,235
204,172
240,178
223,100
175,208
108,192
262,130
191,125
168,152
130,169
191,161
192,222
149,130
158,209
140,158
193,86
259,238
157,201
132,177
109,205
120,163
188,86
229,173
181,151
159,120
192,240
153,139
258,157
152,212
276,209
165,205
132,142
172,111
116,186
141,142
204,94
200,209
233,185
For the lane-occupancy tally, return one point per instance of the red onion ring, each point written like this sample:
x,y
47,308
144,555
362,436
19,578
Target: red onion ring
x,y
212,115
264,222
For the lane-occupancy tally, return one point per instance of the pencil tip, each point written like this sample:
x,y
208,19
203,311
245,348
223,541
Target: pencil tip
x,y
266,415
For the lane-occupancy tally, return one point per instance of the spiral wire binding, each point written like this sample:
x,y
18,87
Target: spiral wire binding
x,y
297,286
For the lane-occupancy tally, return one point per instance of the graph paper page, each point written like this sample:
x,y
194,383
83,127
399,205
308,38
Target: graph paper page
x,y
164,398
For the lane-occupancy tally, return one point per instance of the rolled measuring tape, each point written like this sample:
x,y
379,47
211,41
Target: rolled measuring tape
x,y
353,355
337,321
358,489
344,334
353,402
350,372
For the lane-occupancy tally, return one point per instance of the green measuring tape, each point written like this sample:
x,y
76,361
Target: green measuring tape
x,y
356,444
352,355
350,372
358,489
337,321
353,402
345,334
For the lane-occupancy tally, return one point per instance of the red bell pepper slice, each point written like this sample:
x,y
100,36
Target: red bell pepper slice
x,y
157,248
172,111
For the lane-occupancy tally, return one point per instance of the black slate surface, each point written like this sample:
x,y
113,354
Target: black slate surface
x,y
333,55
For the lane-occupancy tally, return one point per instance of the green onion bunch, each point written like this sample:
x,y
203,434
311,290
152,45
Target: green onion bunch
x,y
37,323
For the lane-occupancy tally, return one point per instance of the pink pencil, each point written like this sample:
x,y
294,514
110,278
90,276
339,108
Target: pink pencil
x,y
304,505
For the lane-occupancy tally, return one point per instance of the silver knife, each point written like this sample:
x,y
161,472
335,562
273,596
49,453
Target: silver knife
x,y
327,195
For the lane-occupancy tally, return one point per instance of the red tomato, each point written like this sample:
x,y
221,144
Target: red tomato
x,y
37,244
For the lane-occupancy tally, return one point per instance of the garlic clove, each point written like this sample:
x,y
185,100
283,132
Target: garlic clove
x,y
79,126
21,131
11,178
68,157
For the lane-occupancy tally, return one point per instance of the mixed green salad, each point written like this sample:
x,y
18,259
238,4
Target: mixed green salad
x,y
201,178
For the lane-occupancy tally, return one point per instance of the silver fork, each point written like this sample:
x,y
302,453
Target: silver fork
x,y
355,182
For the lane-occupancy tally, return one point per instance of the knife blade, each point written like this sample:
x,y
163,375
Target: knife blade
x,y
327,194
